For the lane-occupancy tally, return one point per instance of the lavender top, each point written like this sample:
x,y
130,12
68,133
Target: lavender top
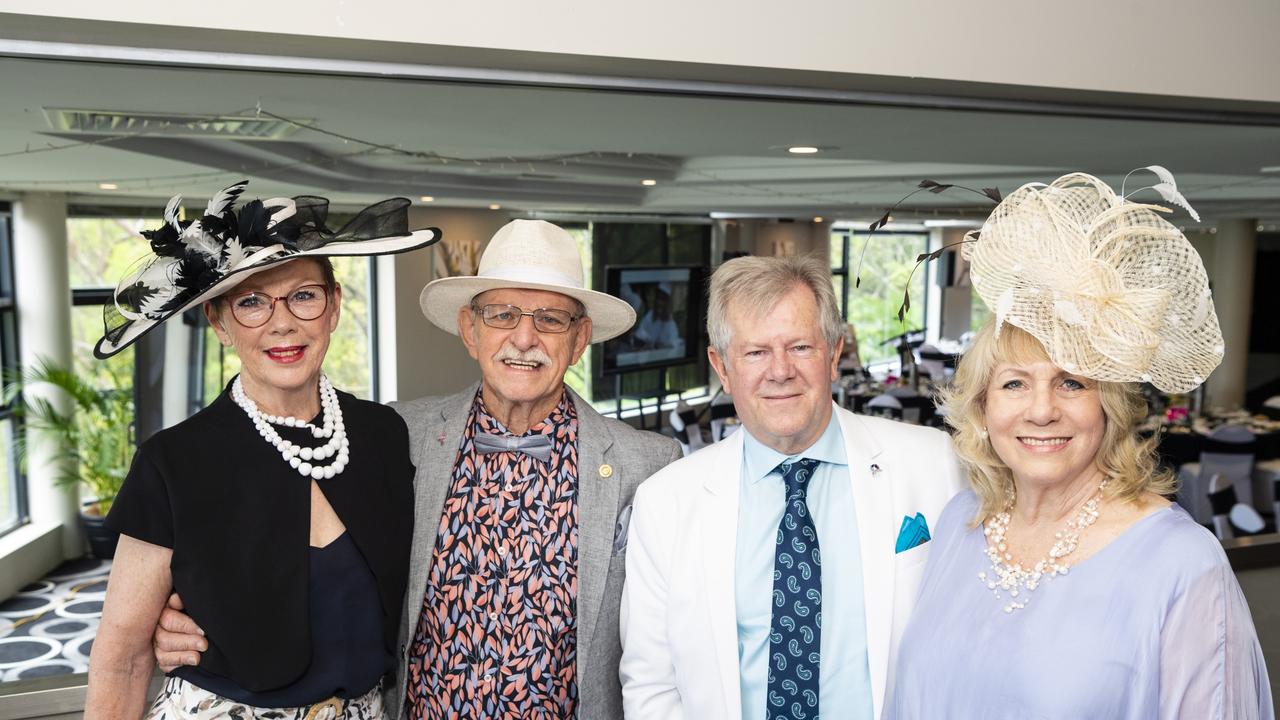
x,y
1154,625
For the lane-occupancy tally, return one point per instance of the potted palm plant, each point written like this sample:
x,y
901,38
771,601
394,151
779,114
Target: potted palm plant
x,y
95,440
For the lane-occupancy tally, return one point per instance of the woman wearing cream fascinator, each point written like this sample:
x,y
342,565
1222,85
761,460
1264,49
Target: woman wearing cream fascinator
x,y
1064,584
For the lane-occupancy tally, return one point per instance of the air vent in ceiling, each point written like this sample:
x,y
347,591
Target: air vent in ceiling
x,y
112,122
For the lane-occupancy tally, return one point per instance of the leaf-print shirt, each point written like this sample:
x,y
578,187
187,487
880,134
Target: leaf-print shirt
x,y
497,634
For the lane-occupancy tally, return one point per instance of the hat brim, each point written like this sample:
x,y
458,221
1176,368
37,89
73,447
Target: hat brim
x,y
135,329
441,299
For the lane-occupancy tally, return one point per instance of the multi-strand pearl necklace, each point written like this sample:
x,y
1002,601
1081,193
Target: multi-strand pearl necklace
x,y
1016,580
305,460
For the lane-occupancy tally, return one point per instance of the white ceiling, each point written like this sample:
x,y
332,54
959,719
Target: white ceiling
x,y
571,150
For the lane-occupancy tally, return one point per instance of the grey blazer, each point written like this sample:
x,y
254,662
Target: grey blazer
x,y
435,429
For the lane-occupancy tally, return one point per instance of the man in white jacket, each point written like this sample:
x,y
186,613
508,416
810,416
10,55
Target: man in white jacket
x,y
771,574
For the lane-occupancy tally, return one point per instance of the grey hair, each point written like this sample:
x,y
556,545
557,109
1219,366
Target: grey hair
x,y
757,283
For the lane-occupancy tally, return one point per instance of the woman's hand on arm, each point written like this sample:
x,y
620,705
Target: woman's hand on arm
x,y
121,663
178,640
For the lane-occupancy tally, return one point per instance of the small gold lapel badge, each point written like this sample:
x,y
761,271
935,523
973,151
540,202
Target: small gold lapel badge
x,y
606,470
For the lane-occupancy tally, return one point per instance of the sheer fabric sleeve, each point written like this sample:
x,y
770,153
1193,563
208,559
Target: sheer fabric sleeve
x,y
1211,665
142,509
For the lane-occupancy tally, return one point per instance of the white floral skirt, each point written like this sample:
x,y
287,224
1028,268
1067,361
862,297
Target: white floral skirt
x,y
180,700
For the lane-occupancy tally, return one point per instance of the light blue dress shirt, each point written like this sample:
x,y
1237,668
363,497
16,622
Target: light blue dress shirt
x,y
845,678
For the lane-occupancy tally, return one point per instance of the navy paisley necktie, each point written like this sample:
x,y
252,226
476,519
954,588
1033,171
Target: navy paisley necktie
x,y
796,629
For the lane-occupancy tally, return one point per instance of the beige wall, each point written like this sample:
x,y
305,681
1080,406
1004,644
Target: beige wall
x,y
1128,46
771,237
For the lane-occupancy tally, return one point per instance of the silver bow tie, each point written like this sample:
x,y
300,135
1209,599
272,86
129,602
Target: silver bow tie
x,y
537,447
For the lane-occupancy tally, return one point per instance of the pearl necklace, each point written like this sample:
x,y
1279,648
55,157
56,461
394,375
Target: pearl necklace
x,y
1015,579
301,458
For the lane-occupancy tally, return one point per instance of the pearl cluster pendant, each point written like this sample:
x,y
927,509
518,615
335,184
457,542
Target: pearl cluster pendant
x,y
1016,580
306,460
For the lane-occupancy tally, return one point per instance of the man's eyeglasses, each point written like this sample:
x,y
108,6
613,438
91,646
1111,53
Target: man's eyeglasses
x,y
254,309
506,317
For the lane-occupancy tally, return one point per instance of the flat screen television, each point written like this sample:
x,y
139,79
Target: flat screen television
x,y
668,300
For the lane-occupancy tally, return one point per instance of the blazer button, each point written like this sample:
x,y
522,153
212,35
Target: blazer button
x,y
606,470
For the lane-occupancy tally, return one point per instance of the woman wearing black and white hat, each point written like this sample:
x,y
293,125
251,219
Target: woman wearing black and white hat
x,y
282,513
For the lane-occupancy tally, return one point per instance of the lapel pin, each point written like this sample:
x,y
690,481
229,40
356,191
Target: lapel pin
x,y
606,470
875,469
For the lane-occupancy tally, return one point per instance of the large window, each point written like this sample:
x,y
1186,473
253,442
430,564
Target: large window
x,y
13,502
101,251
872,307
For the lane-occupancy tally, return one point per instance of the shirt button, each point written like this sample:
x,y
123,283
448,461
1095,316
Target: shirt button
x,y
502,550
493,616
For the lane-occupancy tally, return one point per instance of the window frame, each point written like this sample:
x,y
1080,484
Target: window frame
x,y
9,364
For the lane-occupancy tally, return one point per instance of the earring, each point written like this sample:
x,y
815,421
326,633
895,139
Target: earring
x,y
983,433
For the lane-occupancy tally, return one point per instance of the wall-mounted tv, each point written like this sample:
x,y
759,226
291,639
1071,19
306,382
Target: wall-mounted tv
x,y
668,300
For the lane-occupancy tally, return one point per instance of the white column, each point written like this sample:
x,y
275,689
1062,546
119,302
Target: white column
x,y
1234,253
177,363
388,378
44,333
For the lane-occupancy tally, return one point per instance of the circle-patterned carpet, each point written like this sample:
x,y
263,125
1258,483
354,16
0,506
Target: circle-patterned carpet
x,y
48,627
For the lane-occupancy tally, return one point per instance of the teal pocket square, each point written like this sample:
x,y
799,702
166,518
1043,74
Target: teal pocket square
x,y
914,532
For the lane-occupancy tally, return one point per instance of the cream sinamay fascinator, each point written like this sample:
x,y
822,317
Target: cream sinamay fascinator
x,y
1112,290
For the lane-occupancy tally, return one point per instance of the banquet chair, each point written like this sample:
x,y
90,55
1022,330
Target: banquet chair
x,y
933,363
1266,474
1230,516
684,420
1222,497
1227,451
885,406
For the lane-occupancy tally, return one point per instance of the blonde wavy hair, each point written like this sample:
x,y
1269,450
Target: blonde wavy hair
x,y
1126,459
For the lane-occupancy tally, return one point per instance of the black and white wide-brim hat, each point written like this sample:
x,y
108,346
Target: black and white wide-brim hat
x,y
528,255
198,260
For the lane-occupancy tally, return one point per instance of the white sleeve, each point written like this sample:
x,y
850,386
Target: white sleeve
x,y
647,673
1211,666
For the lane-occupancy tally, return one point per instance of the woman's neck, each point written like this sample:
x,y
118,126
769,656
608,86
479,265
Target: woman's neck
x,y
1038,503
302,402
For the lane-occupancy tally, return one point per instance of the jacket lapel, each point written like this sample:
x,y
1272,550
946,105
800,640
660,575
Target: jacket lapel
x,y
873,503
719,556
597,513
437,451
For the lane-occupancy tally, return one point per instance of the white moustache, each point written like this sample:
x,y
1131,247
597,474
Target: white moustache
x,y
532,355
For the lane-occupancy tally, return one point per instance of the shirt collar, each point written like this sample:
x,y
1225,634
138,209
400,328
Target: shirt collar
x,y
760,459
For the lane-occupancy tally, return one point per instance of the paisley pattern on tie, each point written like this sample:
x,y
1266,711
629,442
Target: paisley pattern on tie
x,y
497,634
796,629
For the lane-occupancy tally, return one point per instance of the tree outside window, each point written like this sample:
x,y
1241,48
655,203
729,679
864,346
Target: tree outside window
x,y
873,306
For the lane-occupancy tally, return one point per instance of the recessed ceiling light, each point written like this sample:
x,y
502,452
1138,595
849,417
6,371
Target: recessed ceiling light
x,y
817,218
802,149
108,186
427,198
495,206
648,182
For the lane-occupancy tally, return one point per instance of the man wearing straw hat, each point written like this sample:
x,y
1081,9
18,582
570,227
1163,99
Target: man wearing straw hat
x,y
523,495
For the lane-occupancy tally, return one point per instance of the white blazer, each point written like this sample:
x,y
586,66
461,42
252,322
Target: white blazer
x,y
678,620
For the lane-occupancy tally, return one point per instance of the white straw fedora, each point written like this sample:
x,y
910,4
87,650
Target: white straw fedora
x,y
529,255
